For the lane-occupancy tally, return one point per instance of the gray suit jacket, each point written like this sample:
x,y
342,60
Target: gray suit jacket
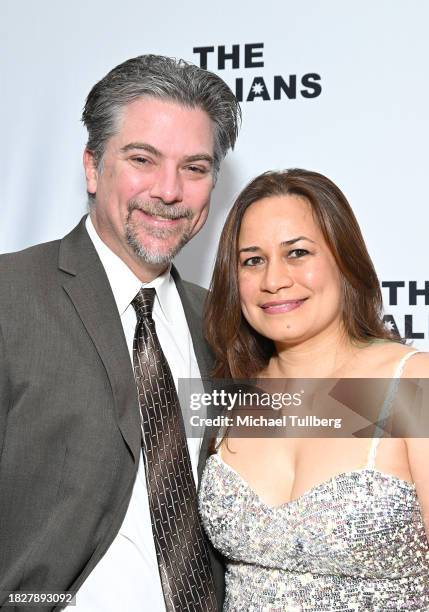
x,y
69,417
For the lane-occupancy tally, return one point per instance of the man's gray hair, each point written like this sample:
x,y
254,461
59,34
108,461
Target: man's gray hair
x,y
165,78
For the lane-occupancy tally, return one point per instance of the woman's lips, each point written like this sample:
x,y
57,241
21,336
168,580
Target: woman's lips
x,y
281,306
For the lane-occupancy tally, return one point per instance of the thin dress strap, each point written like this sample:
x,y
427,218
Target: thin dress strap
x,y
385,409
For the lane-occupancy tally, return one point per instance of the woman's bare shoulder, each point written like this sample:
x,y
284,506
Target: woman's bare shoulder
x,y
417,366
384,358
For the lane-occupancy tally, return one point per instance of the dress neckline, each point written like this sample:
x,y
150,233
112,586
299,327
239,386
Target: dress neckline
x,y
368,468
289,504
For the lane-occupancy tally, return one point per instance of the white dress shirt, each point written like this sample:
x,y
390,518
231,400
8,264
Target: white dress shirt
x,y
127,577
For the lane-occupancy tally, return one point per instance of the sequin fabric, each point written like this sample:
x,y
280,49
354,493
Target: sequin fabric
x,y
354,542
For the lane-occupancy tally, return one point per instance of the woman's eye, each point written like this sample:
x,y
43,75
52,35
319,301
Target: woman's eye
x,y
252,261
297,253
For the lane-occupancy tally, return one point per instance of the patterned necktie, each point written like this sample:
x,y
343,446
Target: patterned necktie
x,y
180,545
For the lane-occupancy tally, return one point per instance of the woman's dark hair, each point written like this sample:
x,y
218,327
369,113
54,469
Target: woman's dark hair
x,y
242,352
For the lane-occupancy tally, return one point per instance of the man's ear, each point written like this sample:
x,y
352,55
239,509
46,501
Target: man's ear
x,y
91,172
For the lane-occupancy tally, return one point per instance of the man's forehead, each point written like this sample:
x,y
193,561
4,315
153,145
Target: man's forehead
x,y
147,108
164,125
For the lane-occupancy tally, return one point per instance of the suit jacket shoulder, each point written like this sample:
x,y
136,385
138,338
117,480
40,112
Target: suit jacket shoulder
x,y
197,292
27,266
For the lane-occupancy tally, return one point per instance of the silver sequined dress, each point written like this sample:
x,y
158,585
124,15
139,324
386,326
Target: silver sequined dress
x,y
354,542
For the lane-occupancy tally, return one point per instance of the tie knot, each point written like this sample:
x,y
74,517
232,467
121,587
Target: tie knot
x,y
143,302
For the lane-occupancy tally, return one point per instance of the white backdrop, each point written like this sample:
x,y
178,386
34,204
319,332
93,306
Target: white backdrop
x,y
367,129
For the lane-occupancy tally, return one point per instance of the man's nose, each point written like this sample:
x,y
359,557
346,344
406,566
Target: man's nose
x,y
277,276
167,185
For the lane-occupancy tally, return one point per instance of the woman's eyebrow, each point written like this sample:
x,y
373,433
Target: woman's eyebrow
x,y
293,240
252,249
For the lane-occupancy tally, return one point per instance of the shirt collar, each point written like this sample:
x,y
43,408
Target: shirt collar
x,y
125,284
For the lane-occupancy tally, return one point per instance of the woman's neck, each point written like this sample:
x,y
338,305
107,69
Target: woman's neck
x,y
323,356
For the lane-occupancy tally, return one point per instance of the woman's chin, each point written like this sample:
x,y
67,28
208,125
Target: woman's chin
x,y
289,337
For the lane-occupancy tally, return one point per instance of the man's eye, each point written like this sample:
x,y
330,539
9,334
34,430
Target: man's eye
x,y
141,160
297,253
252,261
197,169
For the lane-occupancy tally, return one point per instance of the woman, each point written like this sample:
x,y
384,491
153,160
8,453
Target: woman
x,y
310,523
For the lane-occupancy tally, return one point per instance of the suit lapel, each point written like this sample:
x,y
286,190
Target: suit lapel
x,y
88,288
204,357
194,319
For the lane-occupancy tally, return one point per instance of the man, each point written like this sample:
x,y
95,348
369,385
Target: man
x,y
96,490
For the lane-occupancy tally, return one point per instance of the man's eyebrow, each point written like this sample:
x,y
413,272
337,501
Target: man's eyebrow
x,y
143,146
199,157
253,249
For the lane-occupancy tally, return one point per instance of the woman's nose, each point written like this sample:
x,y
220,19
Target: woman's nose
x,y
277,276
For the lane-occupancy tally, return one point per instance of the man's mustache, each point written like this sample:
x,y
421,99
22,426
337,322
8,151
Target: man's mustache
x,y
160,209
